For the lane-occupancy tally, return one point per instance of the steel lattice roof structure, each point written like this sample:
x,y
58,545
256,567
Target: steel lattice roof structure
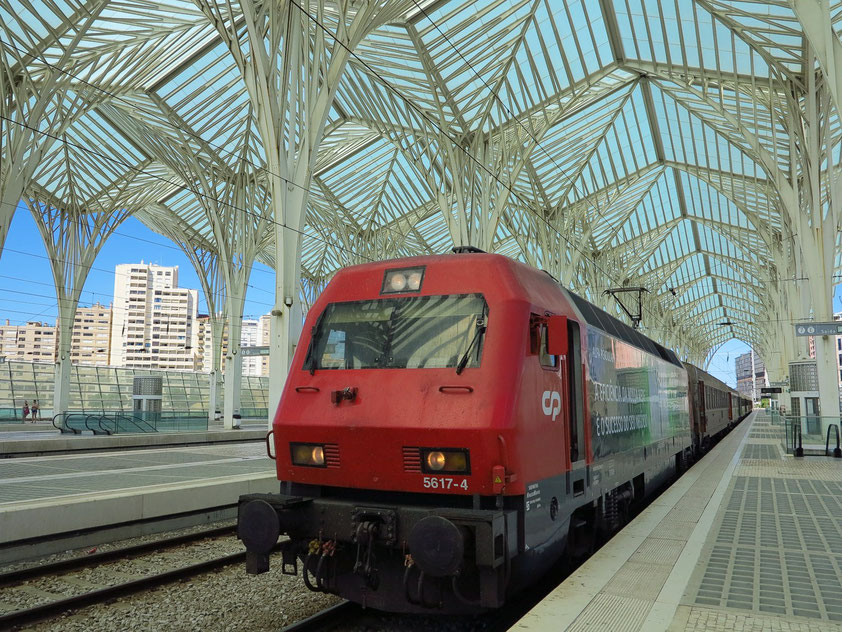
x,y
688,147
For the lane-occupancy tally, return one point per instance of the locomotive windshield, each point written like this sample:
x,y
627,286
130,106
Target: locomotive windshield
x,y
418,332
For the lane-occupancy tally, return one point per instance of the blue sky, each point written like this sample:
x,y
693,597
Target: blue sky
x,y
26,282
26,285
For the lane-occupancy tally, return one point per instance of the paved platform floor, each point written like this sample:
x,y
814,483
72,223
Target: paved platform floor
x,y
748,540
53,494
42,438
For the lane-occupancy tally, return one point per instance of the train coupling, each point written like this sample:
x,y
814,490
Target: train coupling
x,y
260,524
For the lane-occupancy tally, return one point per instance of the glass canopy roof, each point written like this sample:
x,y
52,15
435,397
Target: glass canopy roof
x,y
612,142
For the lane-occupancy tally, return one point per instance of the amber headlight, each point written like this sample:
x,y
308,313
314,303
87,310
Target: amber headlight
x,y
447,461
310,454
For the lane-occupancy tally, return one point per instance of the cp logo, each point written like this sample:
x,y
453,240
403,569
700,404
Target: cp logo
x,y
551,403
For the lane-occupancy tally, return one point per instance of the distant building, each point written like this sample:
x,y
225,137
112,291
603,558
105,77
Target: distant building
x,y
250,337
264,341
751,374
254,333
33,342
154,321
91,341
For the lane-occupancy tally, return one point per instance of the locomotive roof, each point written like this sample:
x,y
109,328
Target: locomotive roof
x,y
592,315
596,317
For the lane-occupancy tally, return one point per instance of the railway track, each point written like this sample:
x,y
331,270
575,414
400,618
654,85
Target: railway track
x,y
62,570
327,618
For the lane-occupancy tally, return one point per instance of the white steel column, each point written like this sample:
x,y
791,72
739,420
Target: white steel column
x,y
817,230
73,238
292,68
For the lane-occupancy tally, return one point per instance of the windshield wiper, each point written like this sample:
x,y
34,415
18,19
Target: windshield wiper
x,y
310,361
464,361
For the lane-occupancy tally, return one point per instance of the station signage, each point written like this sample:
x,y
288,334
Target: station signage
x,y
771,389
819,329
254,351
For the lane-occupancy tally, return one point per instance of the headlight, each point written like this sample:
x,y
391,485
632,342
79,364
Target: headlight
x,y
402,280
309,454
446,461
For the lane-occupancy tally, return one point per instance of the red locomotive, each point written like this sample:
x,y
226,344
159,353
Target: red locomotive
x,y
451,425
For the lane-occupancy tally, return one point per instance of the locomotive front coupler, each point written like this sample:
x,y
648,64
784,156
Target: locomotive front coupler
x,y
261,518
440,539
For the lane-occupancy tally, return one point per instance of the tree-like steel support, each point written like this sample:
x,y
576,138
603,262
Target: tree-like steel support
x,y
73,238
38,102
295,58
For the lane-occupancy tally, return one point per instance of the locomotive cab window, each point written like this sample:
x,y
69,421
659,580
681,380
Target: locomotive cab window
x,y
417,332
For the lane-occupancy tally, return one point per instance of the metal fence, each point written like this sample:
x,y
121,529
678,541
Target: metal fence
x,y
812,435
97,388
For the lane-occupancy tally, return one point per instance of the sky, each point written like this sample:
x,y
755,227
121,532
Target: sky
x,y
26,283
27,292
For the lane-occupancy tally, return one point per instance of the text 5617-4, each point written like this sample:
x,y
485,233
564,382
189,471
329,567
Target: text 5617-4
x,y
444,482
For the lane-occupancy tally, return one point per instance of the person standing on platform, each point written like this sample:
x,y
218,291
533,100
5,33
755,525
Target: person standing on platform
x,y
25,410
34,411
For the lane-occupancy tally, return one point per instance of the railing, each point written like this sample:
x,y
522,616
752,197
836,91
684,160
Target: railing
x,y
118,422
11,416
254,413
837,451
810,434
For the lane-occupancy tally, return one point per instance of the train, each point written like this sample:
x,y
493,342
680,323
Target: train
x,y
455,425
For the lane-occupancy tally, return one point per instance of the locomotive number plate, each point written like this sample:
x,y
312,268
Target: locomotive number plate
x,y
444,482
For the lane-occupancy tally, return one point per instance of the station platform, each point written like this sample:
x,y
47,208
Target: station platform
x,y
56,494
34,439
749,539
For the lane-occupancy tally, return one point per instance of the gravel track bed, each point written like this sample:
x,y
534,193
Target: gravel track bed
x,y
110,546
227,599
45,589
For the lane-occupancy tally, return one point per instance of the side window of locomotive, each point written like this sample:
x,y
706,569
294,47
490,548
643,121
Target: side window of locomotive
x,y
547,361
576,418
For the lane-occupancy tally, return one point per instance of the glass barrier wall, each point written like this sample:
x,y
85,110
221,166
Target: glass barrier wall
x,y
98,389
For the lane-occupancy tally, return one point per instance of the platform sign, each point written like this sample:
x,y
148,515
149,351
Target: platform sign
x,y
819,329
254,351
770,390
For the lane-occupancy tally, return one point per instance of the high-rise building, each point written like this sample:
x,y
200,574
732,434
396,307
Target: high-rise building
x,y
254,333
751,374
33,342
154,321
264,341
91,341
250,337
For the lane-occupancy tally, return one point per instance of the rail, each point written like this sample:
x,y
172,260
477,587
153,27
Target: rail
x,y
837,451
36,613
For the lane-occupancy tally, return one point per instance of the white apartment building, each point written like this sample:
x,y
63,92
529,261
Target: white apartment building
x,y
91,341
250,337
32,342
254,333
154,321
